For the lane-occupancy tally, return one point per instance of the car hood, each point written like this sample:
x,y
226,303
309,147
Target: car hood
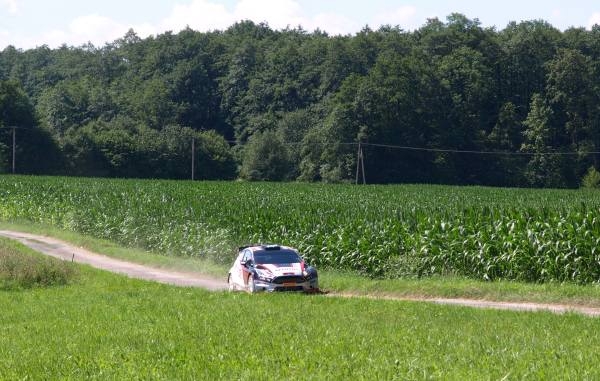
x,y
282,269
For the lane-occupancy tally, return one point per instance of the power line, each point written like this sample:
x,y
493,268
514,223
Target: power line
x,y
507,153
399,147
16,128
441,150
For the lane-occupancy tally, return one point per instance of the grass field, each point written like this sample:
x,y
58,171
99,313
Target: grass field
x,y
382,231
105,326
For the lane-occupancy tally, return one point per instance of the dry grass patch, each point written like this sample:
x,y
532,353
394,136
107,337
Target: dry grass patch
x,y
21,268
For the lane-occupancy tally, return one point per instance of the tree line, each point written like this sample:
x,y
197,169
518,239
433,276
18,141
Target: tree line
x,y
511,107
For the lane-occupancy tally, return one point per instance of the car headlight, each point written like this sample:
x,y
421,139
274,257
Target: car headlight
x,y
266,277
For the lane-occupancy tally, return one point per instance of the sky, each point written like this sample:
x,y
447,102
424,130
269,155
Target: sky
x,y
27,24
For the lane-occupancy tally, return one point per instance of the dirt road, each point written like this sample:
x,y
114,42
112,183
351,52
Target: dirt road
x,y
63,250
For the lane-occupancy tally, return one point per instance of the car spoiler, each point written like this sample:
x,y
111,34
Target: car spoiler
x,y
266,247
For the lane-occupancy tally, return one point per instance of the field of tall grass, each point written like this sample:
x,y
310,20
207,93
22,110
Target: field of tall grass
x,y
379,231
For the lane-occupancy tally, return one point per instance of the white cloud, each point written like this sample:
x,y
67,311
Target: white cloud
x,y
11,5
201,15
333,24
403,16
595,19
277,13
204,15
4,39
96,29
91,28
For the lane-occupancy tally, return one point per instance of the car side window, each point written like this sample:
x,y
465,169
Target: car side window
x,y
247,256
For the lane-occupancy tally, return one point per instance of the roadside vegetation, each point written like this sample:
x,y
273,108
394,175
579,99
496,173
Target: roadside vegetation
x,y
106,326
348,282
20,268
399,231
365,240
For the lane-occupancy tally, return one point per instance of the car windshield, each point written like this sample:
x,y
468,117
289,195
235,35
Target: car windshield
x,y
276,257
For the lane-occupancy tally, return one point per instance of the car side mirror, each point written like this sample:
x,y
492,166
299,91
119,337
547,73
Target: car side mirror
x,y
247,263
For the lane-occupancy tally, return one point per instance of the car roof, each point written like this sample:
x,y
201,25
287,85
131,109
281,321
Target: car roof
x,y
262,247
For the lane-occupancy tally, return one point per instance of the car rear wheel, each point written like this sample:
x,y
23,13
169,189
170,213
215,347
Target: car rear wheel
x,y
251,287
230,283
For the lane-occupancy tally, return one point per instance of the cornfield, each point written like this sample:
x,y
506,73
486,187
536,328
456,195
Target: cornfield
x,y
380,231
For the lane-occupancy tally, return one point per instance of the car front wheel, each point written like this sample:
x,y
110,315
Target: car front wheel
x,y
230,283
251,287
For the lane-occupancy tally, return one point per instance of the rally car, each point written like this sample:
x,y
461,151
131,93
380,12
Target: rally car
x,y
271,268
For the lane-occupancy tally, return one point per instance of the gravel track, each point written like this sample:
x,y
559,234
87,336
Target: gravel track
x,y
66,251
63,250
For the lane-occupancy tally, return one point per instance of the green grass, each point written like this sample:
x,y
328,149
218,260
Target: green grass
x,y
110,327
457,287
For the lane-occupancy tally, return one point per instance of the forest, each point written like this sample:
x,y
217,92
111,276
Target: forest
x,y
452,102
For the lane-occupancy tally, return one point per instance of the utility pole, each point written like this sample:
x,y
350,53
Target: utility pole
x,y
13,148
193,157
360,164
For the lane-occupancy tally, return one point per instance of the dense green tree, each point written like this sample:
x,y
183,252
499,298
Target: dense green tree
x,y
545,167
132,107
71,104
526,46
34,148
506,137
571,92
266,157
466,81
15,106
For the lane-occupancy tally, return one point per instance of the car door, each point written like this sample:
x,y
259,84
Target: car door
x,y
245,270
237,270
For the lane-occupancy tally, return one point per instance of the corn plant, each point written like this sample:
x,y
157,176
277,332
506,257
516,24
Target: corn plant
x,y
387,230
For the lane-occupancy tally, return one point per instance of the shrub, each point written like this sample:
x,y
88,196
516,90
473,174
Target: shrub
x,y
591,179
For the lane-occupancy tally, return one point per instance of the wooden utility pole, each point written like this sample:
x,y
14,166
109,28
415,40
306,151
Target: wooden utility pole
x,y
193,157
360,164
14,148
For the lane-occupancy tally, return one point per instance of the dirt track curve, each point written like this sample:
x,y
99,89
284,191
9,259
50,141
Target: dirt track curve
x,y
63,250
